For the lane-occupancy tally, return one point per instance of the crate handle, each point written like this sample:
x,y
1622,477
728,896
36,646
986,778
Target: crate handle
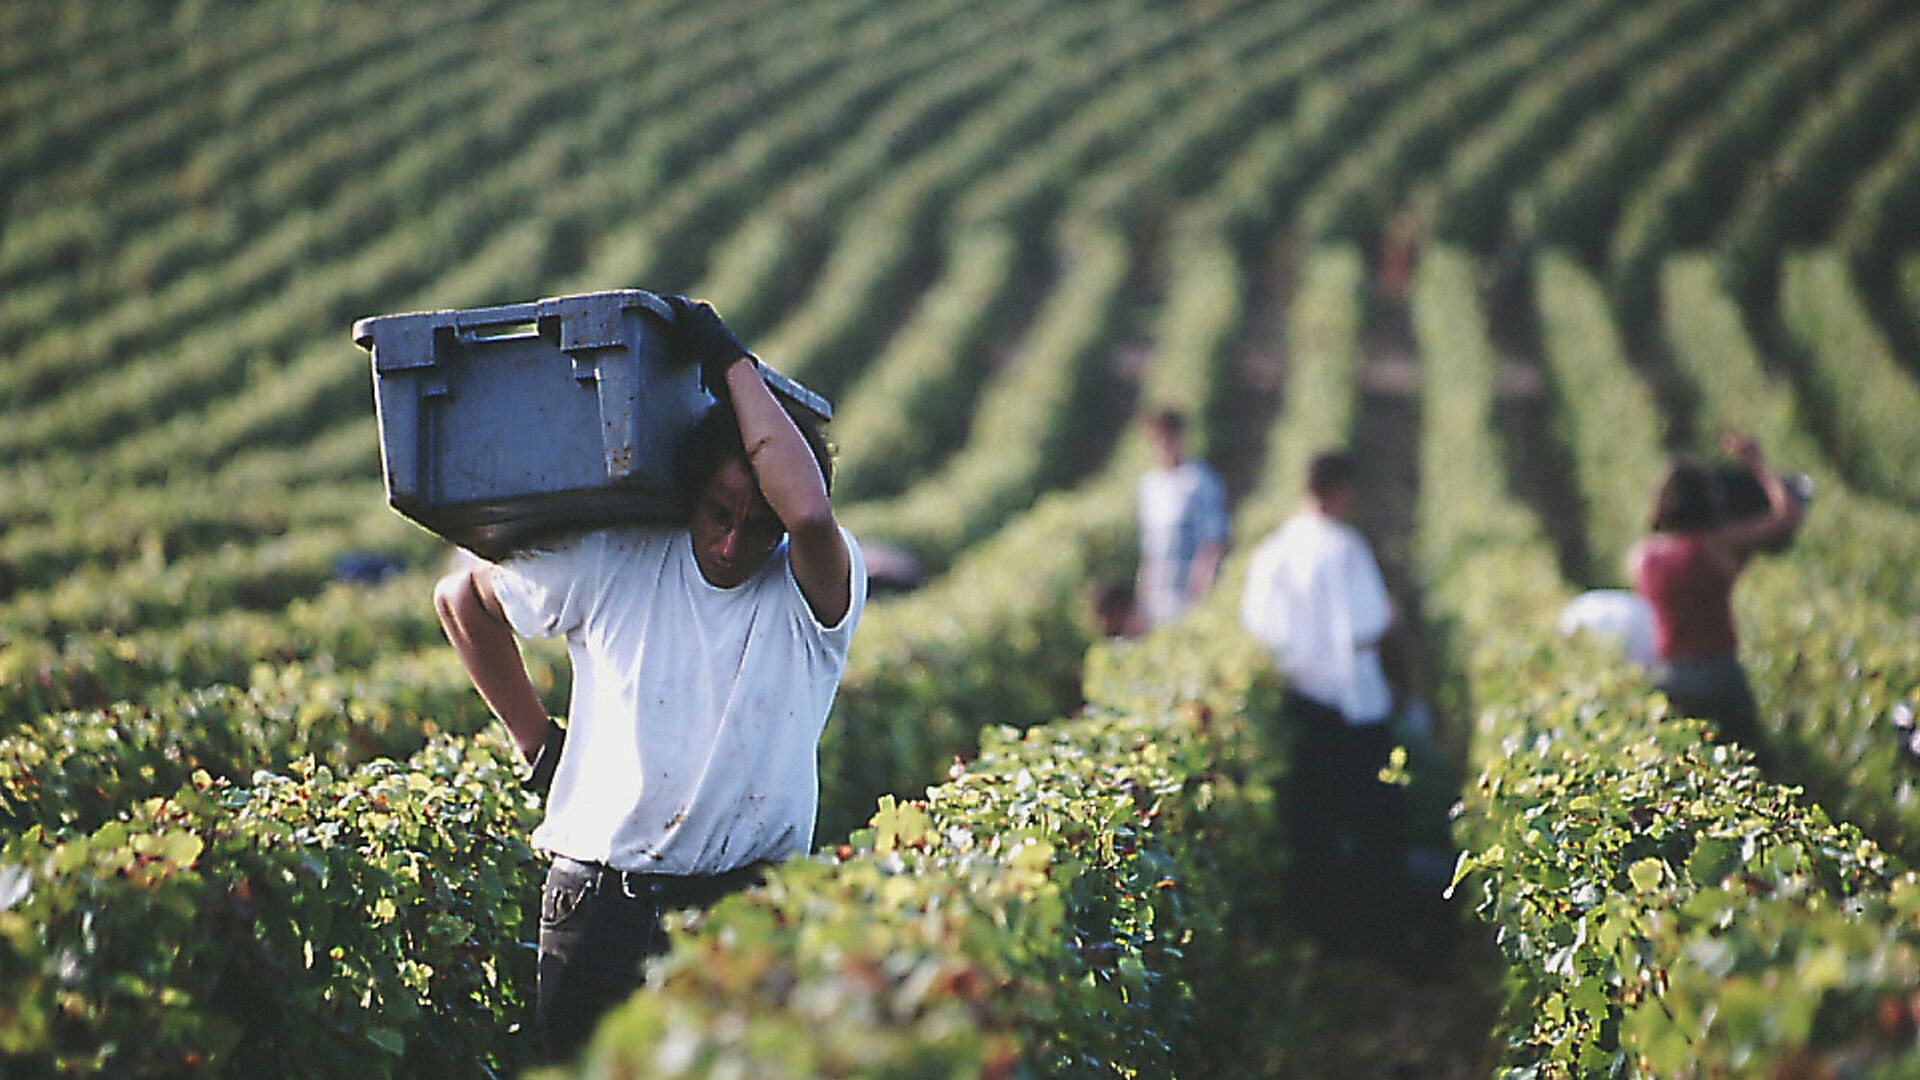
x,y
508,322
501,331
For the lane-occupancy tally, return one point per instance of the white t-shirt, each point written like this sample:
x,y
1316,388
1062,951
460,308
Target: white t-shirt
x,y
1315,599
692,744
1181,510
1618,615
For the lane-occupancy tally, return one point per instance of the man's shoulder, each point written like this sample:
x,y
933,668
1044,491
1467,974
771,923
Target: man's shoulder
x,y
1349,533
1300,524
1307,533
1202,472
1352,546
640,537
1276,544
602,548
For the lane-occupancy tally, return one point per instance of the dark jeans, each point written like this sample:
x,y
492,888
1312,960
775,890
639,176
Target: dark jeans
x,y
1349,831
1715,688
598,929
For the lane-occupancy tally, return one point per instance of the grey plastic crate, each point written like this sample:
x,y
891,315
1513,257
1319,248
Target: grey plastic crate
x,y
502,426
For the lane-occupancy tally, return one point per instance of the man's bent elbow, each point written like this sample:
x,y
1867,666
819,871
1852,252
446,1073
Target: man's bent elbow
x,y
456,599
815,526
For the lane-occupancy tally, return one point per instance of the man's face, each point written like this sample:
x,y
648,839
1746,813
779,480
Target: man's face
x,y
1165,443
1338,503
734,530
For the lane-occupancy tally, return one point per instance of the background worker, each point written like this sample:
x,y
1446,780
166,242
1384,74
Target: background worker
x,y
705,660
1183,524
1315,598
1686,570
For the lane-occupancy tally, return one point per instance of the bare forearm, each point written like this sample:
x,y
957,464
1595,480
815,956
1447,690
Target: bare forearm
x,y
500,676
1206,567
1783,509
486,648
792,482
781,461
1783,513
1779,499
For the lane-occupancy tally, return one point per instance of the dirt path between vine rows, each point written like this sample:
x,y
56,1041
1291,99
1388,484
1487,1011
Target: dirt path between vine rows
x,y
1540,471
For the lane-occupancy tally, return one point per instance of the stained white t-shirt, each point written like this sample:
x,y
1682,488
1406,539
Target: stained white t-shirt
x,y
693,736
1314,597
1182,509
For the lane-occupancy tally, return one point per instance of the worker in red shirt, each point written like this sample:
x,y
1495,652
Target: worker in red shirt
x,y
1686,570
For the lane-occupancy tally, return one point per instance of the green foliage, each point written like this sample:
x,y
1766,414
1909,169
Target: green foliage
x,y
1861,396
1835,135
152,591
311,922
1836,674
916,396
1001,634
350,626
1323,349
1794,978
1027,425
1705,169
1198,330
1576,196
1607,412
1881,218
1364,189
1600,824
77,770
160,525
998,637
1828,639
1469,198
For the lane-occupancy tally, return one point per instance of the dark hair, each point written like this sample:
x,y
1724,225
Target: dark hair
x,y
1167,420
1328,472
1685,501
716,437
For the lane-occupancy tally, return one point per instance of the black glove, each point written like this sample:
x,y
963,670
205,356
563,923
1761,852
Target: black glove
x,y
547,760
701,338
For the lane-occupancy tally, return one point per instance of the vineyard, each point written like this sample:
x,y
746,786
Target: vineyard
x,y
254,819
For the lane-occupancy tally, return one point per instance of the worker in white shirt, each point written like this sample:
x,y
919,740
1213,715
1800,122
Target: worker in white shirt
x,y
1183,524
1316,600
705,659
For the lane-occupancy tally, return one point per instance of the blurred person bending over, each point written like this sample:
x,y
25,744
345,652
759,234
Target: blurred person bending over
x,y
1686,570
1315,598
705,659
1183,525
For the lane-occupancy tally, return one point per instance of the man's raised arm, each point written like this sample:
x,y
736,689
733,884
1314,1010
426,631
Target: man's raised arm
x,y
782,463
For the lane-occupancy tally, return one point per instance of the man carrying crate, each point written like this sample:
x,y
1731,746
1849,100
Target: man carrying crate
x,y
705,660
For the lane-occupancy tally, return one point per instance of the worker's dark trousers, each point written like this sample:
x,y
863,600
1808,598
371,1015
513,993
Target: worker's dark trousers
x,y
598,929
1715,688
1349,833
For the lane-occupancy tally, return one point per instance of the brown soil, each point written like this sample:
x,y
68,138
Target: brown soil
x,y
1259,372
1539,466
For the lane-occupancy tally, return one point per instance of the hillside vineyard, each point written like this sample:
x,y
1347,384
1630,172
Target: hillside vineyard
x,y
254,818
